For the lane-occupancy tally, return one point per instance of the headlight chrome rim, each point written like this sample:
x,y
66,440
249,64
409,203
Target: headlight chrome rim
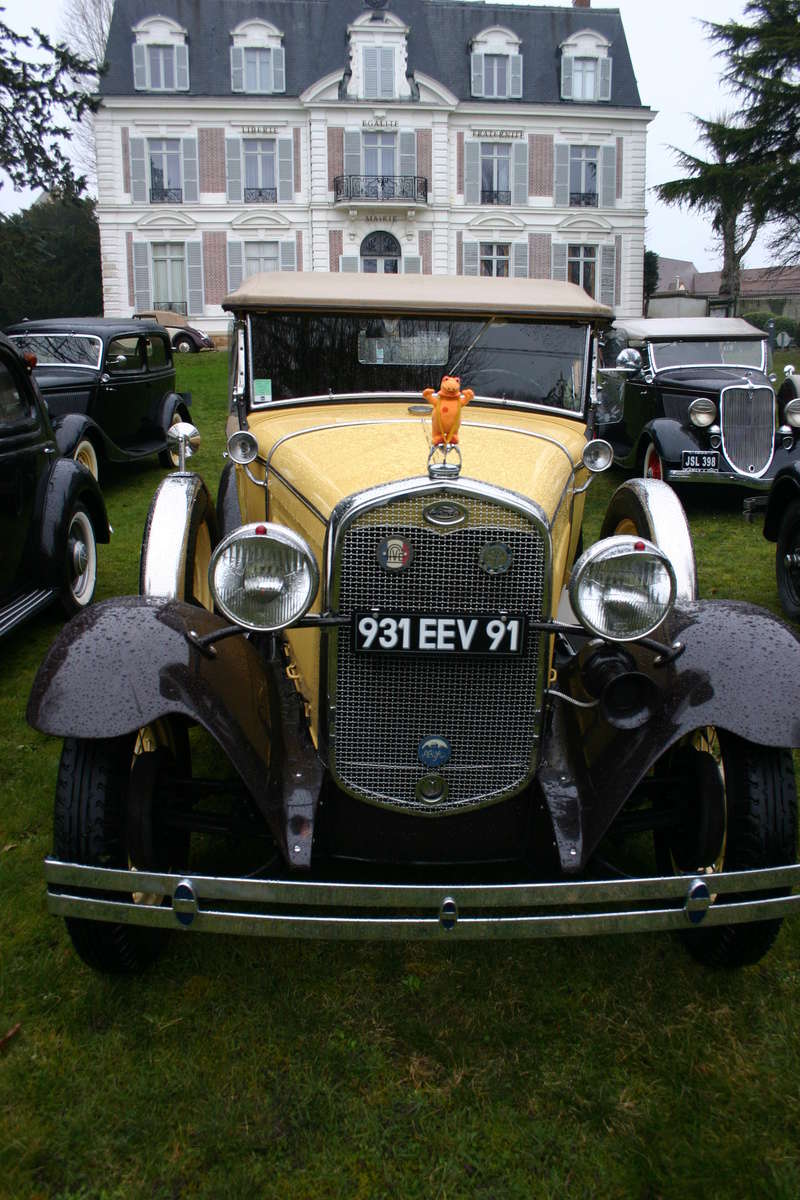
x,y
242,447
262,532
702,412
614,549
597,455
791,413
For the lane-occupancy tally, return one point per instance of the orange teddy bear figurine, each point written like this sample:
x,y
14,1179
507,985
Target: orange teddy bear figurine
x,y
447,404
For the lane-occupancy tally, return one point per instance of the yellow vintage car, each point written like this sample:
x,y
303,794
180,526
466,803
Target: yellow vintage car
x,y
431,710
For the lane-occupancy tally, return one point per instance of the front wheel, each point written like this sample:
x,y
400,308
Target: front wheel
x,y
734,808
109,813
168,457
652,467
184,344
79,571
85,454
787,561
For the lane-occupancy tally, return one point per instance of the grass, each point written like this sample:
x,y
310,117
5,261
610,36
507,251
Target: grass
x,y
609,1067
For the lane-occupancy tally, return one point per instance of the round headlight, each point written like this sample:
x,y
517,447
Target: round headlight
x,y
242,447
791,413
702,412
263,576
597,455
622,588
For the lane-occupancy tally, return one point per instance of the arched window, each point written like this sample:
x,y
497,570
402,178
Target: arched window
x,y
380,253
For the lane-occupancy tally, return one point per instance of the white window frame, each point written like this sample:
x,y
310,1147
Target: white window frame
x,y
490,46
257,37
167,37
586,47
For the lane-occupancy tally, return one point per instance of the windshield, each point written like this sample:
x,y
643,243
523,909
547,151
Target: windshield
x,y
715,353
60,349
314,354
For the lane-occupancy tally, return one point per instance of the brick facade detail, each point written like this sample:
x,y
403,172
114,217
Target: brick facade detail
x,y
335,154
425,157
540,164
211,155
335,245
539,255
215,270
299,239
426,251
459,253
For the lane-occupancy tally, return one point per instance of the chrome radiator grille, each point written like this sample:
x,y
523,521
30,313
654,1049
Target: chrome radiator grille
x,y
748,428
385,705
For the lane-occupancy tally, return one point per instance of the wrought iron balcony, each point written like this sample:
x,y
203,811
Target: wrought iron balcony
x,y
583,199
495,197
402,189
176,306
260,195
160,195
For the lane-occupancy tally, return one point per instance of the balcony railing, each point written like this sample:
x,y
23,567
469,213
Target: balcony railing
x,y
260,195
166,195
409,189
583,199
176,306
495,197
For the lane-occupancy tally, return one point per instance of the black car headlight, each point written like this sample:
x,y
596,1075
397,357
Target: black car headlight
x,y
622,588
263,576
791,413
702,412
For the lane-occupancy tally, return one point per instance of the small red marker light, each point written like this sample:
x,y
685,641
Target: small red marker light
x,y
261,529
639,546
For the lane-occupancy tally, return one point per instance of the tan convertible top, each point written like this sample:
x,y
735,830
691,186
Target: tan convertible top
x,y
676,329
409,293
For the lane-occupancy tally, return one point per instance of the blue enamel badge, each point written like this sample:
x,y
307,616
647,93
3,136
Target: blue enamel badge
x,y
434,752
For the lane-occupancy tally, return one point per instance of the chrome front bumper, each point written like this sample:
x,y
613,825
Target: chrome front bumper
x,y
679,475
304,908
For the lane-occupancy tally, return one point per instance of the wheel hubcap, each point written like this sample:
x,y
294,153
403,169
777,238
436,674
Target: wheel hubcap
x,y
80,556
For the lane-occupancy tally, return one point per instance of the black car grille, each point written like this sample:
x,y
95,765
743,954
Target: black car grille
x,y
747,417
385,705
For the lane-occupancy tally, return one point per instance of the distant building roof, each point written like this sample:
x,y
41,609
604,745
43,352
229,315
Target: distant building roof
x,y
678,275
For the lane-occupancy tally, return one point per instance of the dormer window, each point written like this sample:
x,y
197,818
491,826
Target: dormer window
x,y
585,68
257,59
496,65
378,58
160,56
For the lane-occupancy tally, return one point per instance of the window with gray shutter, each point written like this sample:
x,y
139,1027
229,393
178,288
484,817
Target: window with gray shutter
x,y
515,89
470,258
608,176
139,67
371,72
288,253
604,87
141,276
519,182
476,62
348,262
182,68
408,152
608,274
233,169
138,171
412,264
194,274
561,181
190,187
566,76
285,171
519,263
235,265
386,64
278,70
559,270
352,152
472,173
237,69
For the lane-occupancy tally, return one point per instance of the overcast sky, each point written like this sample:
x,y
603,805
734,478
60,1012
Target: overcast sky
x,y
677,72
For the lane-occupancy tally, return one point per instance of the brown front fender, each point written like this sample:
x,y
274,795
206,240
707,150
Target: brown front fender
x,y
124,663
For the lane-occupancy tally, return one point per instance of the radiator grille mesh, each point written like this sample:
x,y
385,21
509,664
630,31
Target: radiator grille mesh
x,y
748,428
385,705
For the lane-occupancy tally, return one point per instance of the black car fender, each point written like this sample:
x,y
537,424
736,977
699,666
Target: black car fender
x,y
739,670
173,402
785,488
124,663
67,483
71,428
669,437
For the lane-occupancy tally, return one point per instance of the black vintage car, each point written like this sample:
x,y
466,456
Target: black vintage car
x,y
782,526
109,386
690,400
51,511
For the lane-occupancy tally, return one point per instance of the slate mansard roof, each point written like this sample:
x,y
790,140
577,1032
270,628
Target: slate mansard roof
x,y
316,44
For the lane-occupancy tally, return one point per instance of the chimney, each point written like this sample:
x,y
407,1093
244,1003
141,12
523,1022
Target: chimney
x,y
581,3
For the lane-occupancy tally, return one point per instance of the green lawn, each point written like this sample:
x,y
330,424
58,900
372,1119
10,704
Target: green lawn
x,y
612,1067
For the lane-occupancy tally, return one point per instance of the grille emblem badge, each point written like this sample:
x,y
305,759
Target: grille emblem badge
x,y
395,554
434,752
445,514
495,558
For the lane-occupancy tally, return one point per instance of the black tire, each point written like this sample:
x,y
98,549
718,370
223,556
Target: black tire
x,y
79,572
741,813
93,825
184,344
787,561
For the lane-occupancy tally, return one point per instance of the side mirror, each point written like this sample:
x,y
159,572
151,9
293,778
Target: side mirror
x,y
184,439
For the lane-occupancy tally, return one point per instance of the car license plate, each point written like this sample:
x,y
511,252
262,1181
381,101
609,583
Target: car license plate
x,y
700,460
435,633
